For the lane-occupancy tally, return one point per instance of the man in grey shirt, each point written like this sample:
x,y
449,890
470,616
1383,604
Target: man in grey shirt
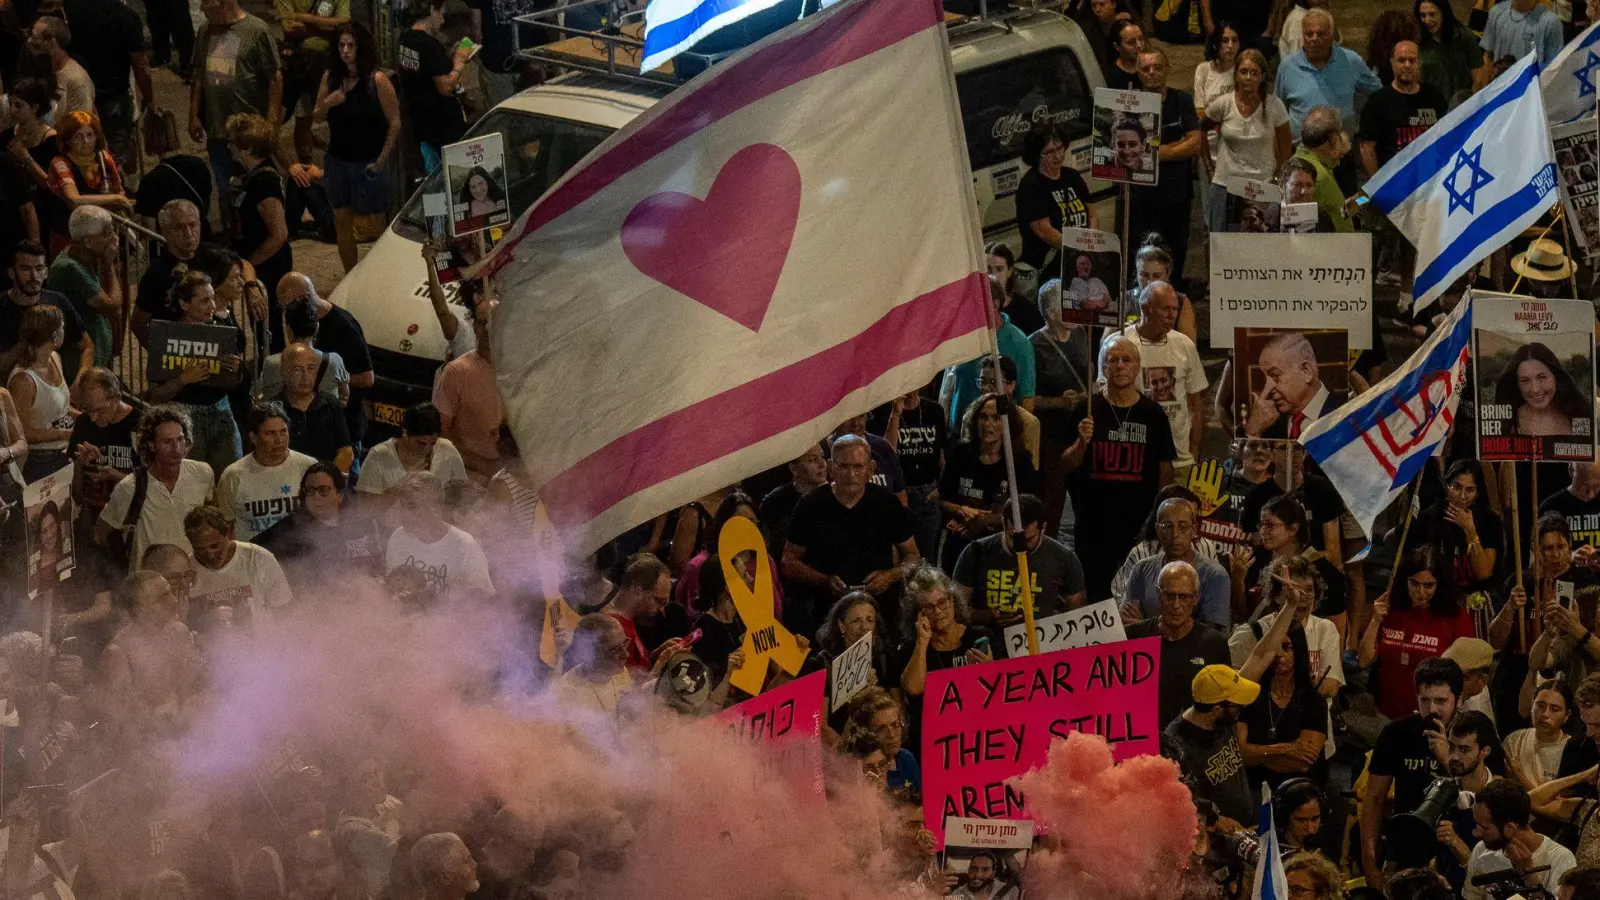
x,y
987,572
236,71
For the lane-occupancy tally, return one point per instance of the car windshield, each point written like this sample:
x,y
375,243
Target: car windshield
x,y
1000,104
538,150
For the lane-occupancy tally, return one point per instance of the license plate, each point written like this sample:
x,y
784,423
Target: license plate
x,y
388,414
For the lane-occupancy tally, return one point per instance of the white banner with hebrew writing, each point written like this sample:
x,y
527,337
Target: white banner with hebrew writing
x,y
1097,623
1291,281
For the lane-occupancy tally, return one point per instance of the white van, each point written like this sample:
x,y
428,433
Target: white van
x,y
1013,71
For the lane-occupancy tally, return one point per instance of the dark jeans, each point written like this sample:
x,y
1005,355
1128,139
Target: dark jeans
x,y
170,26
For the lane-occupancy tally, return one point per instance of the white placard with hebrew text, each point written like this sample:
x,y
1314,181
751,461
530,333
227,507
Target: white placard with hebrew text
x,y
1097,623
1291,281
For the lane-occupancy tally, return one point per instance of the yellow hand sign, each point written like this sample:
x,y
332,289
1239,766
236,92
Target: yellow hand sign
x,y
1205,479
764,638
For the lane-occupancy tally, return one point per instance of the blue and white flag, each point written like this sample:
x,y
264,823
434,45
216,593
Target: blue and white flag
x,y
673,26
1373,446
1271,883
1472,182
1570,80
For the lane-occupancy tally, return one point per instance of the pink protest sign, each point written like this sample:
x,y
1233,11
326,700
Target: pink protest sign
x,y
982,725
787,724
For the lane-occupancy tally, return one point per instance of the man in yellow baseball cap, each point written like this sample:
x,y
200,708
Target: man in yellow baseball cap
x,y
1203,741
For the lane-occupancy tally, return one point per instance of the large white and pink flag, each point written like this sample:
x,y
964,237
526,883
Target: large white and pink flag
x,y
782,243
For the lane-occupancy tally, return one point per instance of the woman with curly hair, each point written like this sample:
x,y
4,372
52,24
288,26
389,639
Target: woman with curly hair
x,y
1389,28
1312,877
876,720
1543,393
937,636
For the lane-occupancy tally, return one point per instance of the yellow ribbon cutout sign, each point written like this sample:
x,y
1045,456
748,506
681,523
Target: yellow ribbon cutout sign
x,y
557,612
764,637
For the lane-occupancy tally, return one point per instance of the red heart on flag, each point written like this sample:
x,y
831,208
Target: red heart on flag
x,y
726,251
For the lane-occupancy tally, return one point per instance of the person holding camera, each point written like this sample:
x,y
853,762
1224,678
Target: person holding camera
x,y
1411,752
1502,810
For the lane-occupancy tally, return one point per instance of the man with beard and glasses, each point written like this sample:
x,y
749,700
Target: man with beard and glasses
x,y
1203,740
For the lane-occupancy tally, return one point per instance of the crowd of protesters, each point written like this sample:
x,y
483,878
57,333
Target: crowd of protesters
x,y
215,507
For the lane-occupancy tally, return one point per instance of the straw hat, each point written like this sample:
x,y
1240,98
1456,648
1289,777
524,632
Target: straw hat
x,y
1543,261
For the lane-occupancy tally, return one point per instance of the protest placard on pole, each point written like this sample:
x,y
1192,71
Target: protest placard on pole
x,y
475,185
1250,205
1086,626
984,724
1577,146
1534,364
786,723
1291,281
1127,136
175,346
1286,378
47,506
1299,218
850,672
1091,263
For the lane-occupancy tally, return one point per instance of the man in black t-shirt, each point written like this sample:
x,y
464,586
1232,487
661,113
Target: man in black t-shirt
x,y
28,271
915,427
1395,116
102,443
1051,196
337,332
852,535
1410,753
1187,646
1167,209
987,573
806,474
428,76
179,222
1579,504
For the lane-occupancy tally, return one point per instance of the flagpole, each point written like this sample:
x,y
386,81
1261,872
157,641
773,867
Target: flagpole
x,y
1516,550
1025,580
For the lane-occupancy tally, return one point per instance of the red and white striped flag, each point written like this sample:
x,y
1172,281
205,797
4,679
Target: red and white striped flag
x,y
781,243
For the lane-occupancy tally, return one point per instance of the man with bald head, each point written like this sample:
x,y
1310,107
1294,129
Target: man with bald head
x,y
317,425
1187,645
337,332
1324,143
1292,395
1163,347
443,867
1177,529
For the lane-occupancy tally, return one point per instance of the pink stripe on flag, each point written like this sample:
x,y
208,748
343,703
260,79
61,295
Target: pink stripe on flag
x,y
845,34
771,404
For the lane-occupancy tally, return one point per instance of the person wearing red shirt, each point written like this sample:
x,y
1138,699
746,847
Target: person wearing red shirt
x,y
1419,622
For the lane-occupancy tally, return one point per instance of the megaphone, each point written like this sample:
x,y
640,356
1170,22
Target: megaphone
x,y
1413,837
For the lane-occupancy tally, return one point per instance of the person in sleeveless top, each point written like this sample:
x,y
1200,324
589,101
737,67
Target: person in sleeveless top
x,y
41,392
363,114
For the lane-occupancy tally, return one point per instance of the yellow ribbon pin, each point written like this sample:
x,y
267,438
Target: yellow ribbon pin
x,y
764,637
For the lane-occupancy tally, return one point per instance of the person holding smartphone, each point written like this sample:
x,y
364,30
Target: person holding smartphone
x,y
937,634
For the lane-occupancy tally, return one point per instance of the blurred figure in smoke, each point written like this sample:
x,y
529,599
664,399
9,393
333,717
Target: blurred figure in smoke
x,y
316,873
174,565
450,559
597,678
148,671
443,867
165,885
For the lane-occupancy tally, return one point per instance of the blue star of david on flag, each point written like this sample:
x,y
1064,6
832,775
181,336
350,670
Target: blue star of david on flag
x,y
1463,196
1585,74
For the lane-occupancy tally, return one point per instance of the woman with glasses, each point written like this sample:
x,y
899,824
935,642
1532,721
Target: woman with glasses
x,y
1417,621
1050,196
1281,534
936,632
875,719
324,535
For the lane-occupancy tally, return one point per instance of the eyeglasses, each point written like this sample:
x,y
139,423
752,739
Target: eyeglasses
x,y
941,603
321,490
1170,527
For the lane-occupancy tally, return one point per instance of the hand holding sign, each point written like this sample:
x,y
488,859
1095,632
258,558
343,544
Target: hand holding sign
x,y
765,638
1205,480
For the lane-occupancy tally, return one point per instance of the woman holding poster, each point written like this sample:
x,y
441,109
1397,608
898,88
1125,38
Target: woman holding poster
x,y
1545,396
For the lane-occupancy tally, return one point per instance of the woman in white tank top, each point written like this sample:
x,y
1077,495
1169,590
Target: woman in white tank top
x,y
42,394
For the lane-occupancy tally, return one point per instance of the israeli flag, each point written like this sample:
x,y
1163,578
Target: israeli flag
x,y
1373,446
1472,182
1570,80
673,26
1271,883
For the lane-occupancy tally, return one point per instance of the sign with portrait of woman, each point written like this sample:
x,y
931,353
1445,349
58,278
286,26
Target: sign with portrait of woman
x,y
475,185
1127,136
1535,368
47,504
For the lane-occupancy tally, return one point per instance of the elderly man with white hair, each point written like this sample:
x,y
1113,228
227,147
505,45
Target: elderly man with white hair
x,y
1177,528
180,225
1169,358
86,274
1121,456
1321,73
